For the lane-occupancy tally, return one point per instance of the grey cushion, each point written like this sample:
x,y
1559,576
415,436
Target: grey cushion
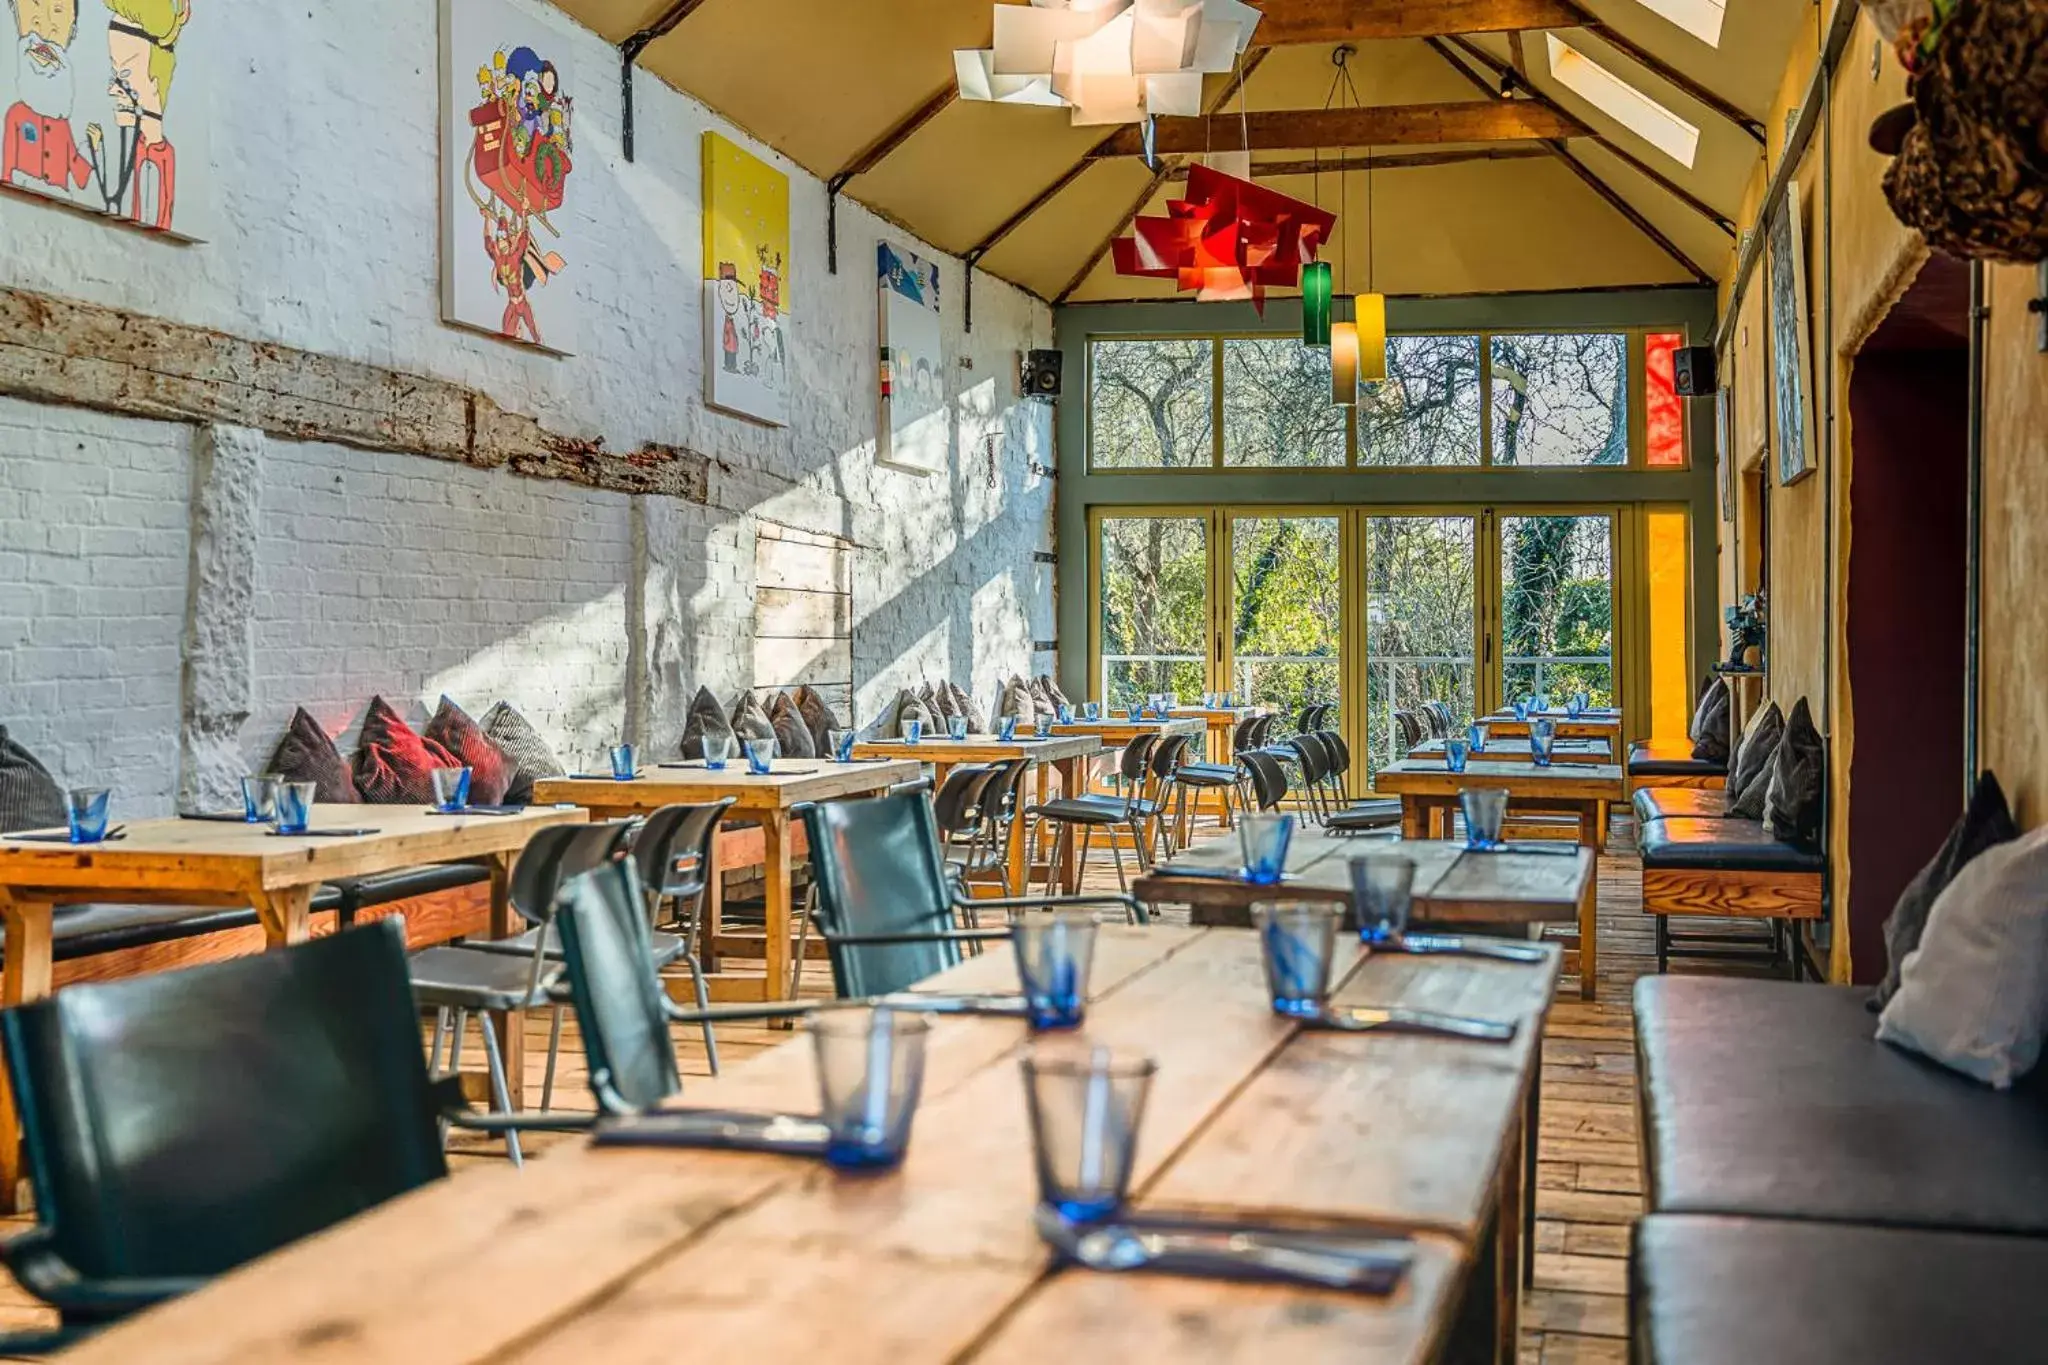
x,y
29,797
1017,701
1749,772
1798,772
1051,687
819,716
792,734
977,719
1974,995
1985,824
943,701
909,706
705,717
1710,723
531,757
750,718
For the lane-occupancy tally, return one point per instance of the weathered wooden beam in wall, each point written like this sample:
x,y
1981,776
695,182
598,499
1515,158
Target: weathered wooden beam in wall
x,y
1337,21
58,350
1389,125
1335,165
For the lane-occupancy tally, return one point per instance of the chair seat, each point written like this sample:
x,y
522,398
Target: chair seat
x,y
468,978
87,930
1375,814
1681,803
1648,759
1721,846
1093,810
1773,1099
1208,774
1732,1291
666,948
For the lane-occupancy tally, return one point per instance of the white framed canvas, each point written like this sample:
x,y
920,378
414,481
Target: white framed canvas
x,y
912,433
509,220
1791,349
748,296
109,109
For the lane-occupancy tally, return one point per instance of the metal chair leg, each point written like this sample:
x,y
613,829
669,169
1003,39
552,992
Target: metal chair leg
x,y
501,1092
434,1058
703,1004
547,1081
455,1044
1117,852
803,938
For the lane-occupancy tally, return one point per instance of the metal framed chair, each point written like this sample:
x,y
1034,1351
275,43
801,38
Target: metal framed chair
x,y
988,850
1128,808
1227,778
174,1130
1267,777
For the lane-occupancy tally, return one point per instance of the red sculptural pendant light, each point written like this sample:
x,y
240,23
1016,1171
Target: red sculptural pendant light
x,y
1226,239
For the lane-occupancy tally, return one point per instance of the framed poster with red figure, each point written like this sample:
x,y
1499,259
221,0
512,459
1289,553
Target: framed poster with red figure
x,y
508,184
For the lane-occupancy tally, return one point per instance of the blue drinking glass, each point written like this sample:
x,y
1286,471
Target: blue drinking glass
x,y
1006,728
85,814
451,788
870,1070
624,767
717,749
1053,955
1138,711
1521,708
1475,735
259,796
956,727
913,731
1485,809
1092,710
1085,1110
1066,714
1263,837
1456,751
294,807
760,757
839,744
1042,727
1540,702
1298,940
1382,892
1542,735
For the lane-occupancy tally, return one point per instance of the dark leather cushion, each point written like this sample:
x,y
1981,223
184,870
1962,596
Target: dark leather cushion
x,y
29,796
1798,772
1735,1291
706,717
1774,1099
792,733
819,716
394,764
1986,824
1721,846
1646,759
1711,722
1685,803
307,754
360,893
490,769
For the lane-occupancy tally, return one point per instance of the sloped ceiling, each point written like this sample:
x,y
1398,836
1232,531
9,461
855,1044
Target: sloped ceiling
x,y
825,82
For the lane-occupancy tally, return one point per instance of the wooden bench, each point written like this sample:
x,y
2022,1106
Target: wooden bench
x,y
1698,861
1651,764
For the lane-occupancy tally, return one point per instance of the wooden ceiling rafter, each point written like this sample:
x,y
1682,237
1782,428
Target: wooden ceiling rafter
x,y
1562,152
1337,165
1294,23
1377,125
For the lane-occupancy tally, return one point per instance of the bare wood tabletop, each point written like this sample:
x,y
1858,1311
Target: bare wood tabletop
x,y
1588,725
212,862
1519,750
628,1255
765,800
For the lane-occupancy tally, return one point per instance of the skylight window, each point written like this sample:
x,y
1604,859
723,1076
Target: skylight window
x,y
1701,18
1622,102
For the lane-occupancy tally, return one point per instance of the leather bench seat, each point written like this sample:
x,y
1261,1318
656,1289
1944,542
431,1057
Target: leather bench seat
x,y
1647,759
86,930
1702,845
382,888
1773,1099
1683,803
1735,1291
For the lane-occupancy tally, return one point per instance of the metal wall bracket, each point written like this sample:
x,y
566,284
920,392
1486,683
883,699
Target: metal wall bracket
x,y
2038,306
832,188
629,53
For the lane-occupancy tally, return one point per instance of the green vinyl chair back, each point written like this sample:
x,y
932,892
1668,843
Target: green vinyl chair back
x,y
180,1124
620,1005
878,869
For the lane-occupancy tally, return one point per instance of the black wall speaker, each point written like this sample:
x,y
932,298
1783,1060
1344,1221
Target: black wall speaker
x,y
1693,368
1041,377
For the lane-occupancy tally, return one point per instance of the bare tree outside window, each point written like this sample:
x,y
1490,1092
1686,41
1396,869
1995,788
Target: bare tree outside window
x,y
1286,611
1276,405
1155,607
1557,607
1419,622
1426,411
1560,399
1149,404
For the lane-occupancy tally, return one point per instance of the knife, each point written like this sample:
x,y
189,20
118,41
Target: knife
x,y
1374,1019
1456,945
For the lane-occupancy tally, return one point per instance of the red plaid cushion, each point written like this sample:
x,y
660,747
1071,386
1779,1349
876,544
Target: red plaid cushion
x,y
393,763
490,771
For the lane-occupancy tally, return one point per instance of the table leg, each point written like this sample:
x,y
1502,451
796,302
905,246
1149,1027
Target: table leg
x,y
1415,818
775,868
510,1028
1510,1232
1589,925
501,924
1600,816
26,977
286,912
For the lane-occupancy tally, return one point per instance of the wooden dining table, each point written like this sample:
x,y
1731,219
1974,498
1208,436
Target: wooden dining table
x,y
762,800
631,1255
1588,725
1066,755
1518,750
212,863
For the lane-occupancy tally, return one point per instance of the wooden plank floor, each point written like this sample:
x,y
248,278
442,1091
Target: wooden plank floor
x,y
1589,1183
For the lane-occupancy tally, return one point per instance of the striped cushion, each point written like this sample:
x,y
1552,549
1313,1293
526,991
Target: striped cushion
x,y
29,796
490,771
394,765
524,749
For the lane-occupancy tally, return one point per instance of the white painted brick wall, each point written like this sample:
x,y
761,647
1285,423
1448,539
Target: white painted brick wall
x,y
330,243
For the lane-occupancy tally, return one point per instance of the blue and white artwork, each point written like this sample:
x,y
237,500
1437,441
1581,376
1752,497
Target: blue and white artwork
x,y
912,432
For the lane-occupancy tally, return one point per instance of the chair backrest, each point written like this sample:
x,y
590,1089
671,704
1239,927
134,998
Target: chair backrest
x,y
998,798
1263,734
1269,779
675,850
1166,756
1340,752
1315,763
1241,735
1130,765
555,854
618,994
183,1123
958,802
1305,720
1409,726
878,869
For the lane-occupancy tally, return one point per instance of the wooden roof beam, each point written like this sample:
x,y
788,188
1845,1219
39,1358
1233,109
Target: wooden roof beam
x,y
1390,125
1338,165
1335,21
889,141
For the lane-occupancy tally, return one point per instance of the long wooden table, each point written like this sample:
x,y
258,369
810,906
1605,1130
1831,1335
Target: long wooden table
x,y
624,1255
1519,750
1591,725
207,862
1068,755
766,801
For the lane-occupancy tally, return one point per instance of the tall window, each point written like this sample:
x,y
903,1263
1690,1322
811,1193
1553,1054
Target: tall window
x,y
1560,398
1426,411
1149,403
1154,607
1276,405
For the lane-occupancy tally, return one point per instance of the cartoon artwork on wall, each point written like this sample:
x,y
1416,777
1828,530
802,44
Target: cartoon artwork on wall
x,y
913,430
508,214
747,298
90,118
